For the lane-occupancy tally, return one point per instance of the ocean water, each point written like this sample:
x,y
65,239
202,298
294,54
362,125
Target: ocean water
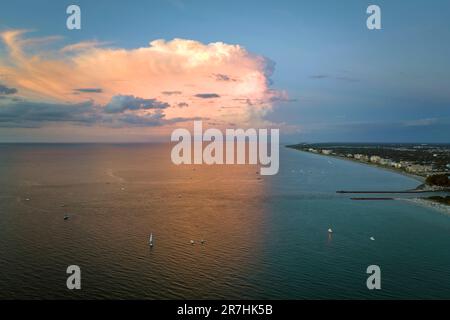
x,y
266,237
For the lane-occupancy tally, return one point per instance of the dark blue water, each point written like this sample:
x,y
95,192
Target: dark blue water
x,y
265,238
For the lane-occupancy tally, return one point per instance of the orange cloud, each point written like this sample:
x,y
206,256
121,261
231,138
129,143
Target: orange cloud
x,y
216,81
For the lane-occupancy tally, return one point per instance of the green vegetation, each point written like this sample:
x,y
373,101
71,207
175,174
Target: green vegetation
x,y
444,200
441,180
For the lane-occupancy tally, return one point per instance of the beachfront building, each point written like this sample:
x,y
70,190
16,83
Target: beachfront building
x,y
327,152
386,162
375,159
361,157
405,164
396,165
418,168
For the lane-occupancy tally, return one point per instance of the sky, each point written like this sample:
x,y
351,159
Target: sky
x,y
138,69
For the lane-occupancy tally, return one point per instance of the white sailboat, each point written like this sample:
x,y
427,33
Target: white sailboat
x,y
150,241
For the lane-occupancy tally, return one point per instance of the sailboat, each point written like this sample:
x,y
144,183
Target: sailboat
x,y
150,241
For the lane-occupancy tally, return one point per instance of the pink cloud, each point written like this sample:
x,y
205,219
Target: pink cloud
x,y
217,81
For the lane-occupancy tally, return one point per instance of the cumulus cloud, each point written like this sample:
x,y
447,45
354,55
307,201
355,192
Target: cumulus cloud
x,y
80,46
222,77
126,74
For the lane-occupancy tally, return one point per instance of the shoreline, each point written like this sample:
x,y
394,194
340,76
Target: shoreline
x,y
401,172
429,203
442,208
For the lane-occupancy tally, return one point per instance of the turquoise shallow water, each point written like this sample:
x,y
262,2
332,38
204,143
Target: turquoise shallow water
x,y
265,238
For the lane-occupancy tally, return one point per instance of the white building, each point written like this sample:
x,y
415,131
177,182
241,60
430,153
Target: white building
x,y
375,159
396,165
415,168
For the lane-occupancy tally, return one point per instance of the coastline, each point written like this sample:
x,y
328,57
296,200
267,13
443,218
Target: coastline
x,y
406,174
429,203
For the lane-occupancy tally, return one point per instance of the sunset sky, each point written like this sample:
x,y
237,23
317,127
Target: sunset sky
x,y
138,69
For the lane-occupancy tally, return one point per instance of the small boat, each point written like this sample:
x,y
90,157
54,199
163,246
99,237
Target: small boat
x,y
150,241
202,241
66,217
192,241
372,238
330,231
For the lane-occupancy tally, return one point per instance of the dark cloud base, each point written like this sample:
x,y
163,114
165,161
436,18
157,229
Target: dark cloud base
x,y
121,103
88,90
119,112
4,90
207,95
